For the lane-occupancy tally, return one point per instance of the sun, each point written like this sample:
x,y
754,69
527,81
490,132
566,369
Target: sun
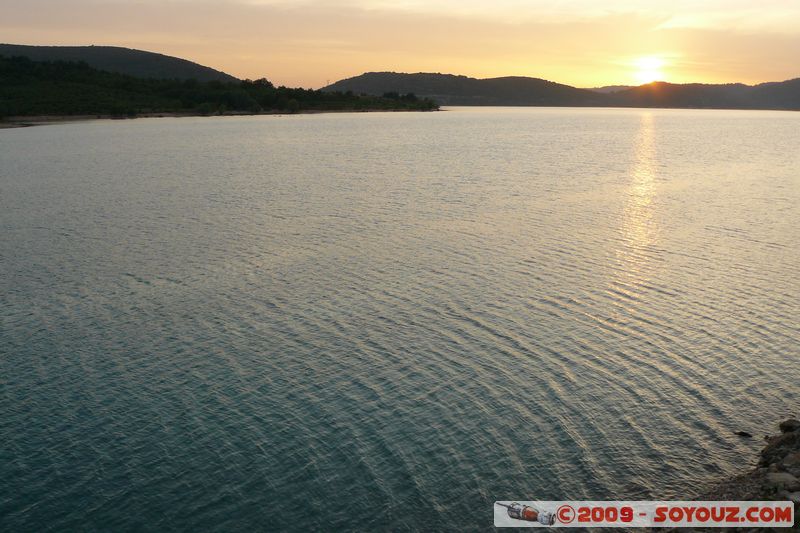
x,y
649,69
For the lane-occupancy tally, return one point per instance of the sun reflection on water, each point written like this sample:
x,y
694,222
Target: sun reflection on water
x,y
639,228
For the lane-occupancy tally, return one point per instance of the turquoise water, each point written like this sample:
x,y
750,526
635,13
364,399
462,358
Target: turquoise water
x,y
389,321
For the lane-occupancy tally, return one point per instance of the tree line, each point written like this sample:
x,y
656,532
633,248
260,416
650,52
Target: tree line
x,y
29,88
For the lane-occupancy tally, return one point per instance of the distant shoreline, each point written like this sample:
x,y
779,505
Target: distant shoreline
x,y
43,120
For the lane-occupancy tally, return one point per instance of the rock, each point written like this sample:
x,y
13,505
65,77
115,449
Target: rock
x,y
743,434
779,447
780,478
792,459
776,477
787,426
783,480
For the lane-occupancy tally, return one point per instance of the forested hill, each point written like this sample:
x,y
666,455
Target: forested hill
x,y
29,88
447,89
775,95
136,63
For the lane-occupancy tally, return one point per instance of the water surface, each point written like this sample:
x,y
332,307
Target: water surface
x,y
389,320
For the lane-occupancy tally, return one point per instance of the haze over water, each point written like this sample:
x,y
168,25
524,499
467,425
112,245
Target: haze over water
x,y
389,320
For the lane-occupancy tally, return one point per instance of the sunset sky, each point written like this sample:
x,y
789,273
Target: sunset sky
x,y
309,42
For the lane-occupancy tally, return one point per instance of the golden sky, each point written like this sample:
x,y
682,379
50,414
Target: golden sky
x,y
307,43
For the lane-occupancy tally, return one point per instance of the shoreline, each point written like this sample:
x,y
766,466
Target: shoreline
x,y
776,477
43,120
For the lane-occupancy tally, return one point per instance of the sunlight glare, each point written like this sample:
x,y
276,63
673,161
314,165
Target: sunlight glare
x,y
649,69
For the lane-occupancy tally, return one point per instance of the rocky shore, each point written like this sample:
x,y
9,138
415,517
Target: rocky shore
x,y
776,477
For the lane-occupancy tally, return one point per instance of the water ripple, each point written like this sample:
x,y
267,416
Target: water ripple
x,y
388,321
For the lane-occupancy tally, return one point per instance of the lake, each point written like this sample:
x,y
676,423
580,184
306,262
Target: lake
x,y
389,320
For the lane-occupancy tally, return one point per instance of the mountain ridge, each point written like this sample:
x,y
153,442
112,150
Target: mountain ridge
x,y
453,89
446,89
120,60
450,89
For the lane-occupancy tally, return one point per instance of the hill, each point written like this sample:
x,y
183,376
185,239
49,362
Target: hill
x,y
691,95
128,61
776,95
448,89
31,88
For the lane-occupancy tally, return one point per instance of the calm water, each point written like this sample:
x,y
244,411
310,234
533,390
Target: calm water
x,y
373,321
